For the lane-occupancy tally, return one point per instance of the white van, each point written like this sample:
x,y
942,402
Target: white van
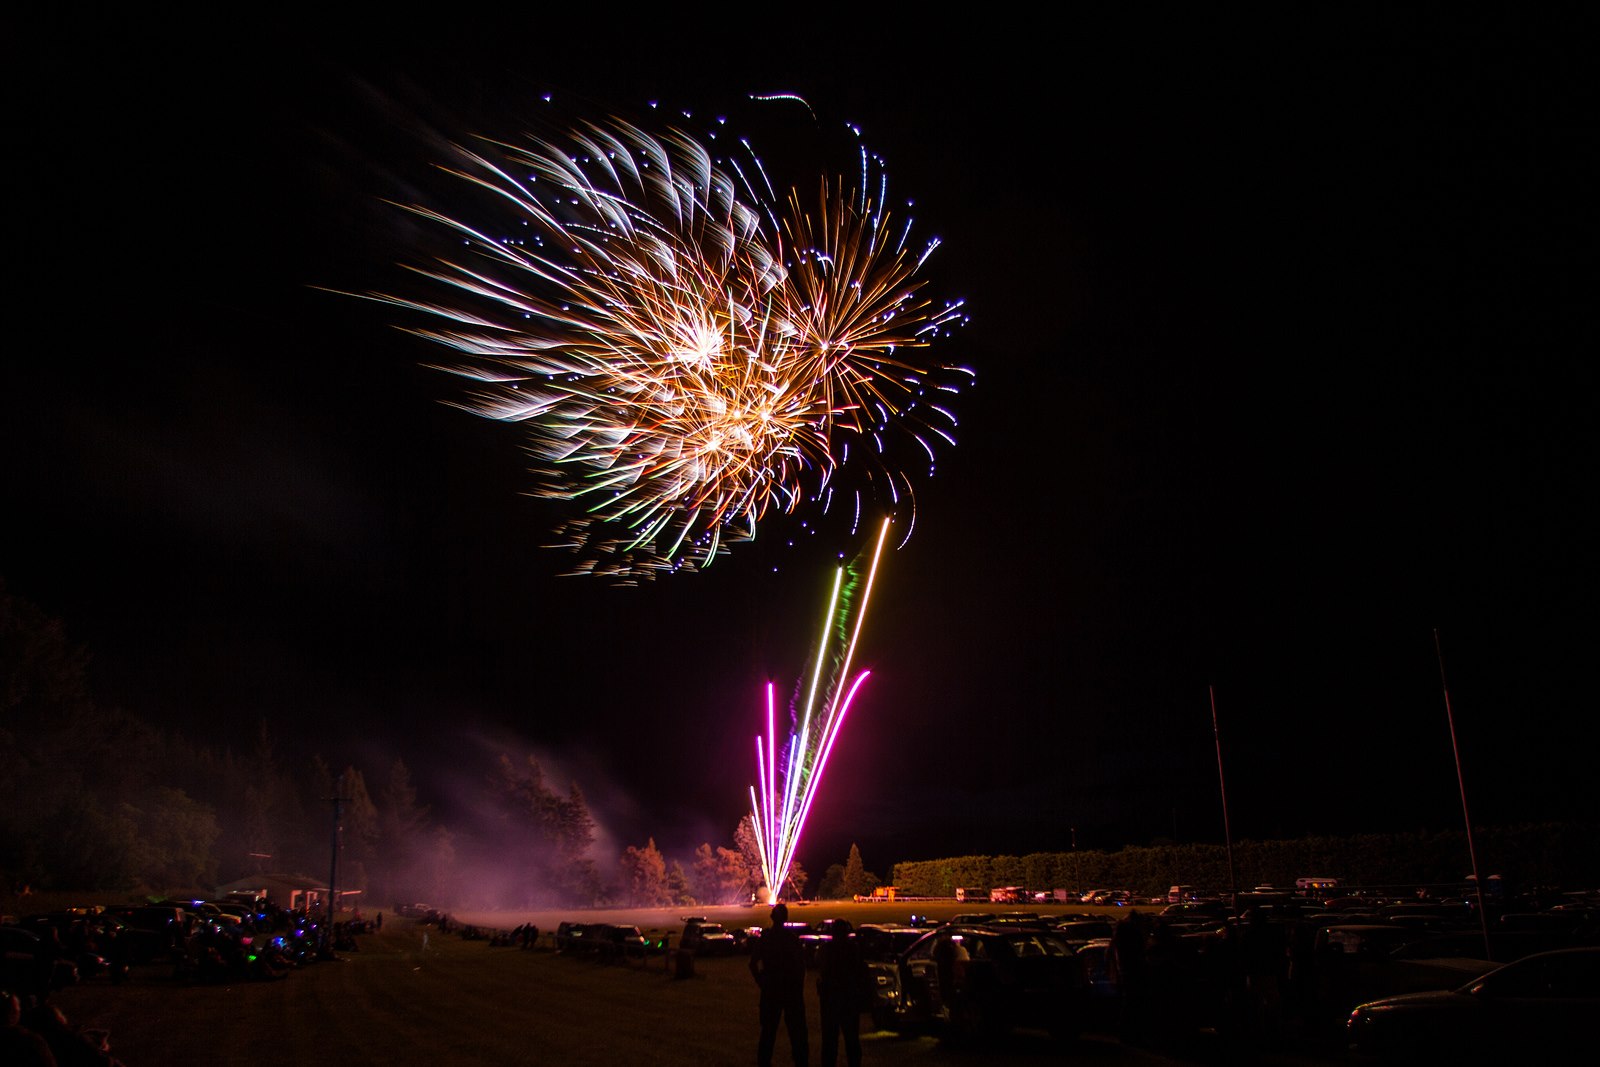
x,y
1180,894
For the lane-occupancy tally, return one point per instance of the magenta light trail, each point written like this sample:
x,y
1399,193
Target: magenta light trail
x,y
780,803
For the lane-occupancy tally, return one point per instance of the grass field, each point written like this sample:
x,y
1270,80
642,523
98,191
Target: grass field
x,y
411,995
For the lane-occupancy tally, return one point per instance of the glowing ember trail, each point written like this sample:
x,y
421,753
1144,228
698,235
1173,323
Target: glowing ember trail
x,y
788,781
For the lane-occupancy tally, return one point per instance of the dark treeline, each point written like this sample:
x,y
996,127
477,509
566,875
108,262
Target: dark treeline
x,y
1560,854
93,798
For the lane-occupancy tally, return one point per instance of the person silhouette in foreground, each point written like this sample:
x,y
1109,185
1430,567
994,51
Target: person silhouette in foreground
x,y
780,970
842,992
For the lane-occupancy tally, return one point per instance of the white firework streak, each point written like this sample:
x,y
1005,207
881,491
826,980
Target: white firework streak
x,y
686,352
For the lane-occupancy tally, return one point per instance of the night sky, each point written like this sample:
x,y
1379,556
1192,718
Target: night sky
x,y
1282,338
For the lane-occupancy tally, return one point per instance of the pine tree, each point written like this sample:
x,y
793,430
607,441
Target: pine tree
x,y
678,885
359,838
857,880
404,838
745,842
706,879
546,837
644,876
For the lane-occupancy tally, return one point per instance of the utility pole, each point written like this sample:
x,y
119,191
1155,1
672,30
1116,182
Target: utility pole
x,y
333,874
1227,831
1461,783
1077,867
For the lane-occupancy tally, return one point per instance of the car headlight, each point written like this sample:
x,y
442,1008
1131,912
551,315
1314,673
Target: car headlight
x,y
1366,1016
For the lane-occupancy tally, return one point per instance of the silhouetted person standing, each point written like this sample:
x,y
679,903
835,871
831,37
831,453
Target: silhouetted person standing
x,y
950,958
841,990
1129,970
780,970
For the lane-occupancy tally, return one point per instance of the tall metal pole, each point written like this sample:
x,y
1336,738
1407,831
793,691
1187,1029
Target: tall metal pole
x,y
1077,867
1222,782
1461,783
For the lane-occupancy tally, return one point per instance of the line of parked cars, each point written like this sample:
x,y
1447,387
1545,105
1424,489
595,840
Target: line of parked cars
x,y
980,974
1542,1004
1388,977
202,940
1431,980
702,937
606,941
982,980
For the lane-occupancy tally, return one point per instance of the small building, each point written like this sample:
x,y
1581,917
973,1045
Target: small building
x,y
292,892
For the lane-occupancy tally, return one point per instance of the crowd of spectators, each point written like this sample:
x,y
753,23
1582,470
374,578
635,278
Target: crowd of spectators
x,y
191,941
1292,972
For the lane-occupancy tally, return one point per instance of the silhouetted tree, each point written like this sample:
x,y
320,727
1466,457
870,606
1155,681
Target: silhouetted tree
x,y
431,876
174,839
857,880
263,813
794,884
78,784
403,840
547,837
361,830
721,876
745,842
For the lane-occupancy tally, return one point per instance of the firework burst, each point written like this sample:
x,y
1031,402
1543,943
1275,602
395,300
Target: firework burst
x,y
789,777
688,352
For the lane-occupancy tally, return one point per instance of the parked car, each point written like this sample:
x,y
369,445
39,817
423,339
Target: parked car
x,y
746,937
83,939
1506,945
705,938
1082,931
1104,996
613,941
1358,962
884,942
248,917
1196,911
1364,939
1109,897
1008,978
203,911
812,938
574,937
1544,1004
153,931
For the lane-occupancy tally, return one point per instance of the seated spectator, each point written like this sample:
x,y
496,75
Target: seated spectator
x,y
18,1044
70,1047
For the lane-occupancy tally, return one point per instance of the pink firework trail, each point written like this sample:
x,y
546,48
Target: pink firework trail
x,y
787,783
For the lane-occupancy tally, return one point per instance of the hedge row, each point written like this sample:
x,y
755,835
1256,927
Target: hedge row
x,y
1545,854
